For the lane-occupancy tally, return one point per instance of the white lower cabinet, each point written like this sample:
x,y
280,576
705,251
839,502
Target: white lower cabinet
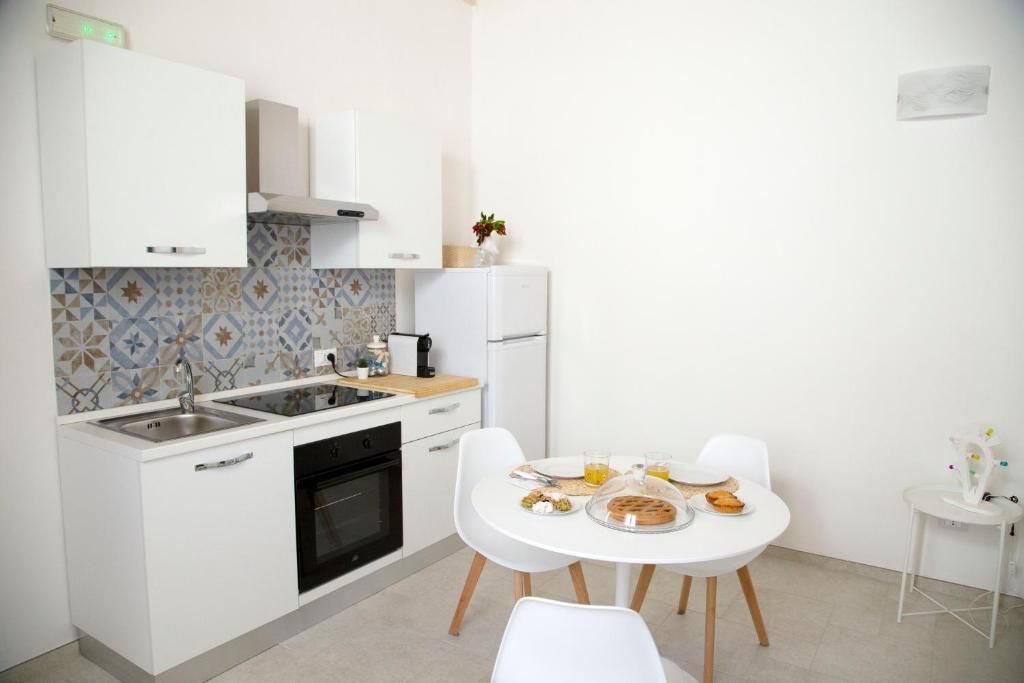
x,y
428,488
171,558
220,544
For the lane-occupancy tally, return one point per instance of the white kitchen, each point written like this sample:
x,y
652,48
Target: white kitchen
x,y
496,340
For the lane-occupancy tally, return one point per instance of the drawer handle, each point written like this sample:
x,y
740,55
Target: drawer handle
x,y
445,409
223,463
185,251
443,447
404,257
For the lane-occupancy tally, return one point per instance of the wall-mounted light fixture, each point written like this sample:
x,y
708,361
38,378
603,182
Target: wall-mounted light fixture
x,y
956,90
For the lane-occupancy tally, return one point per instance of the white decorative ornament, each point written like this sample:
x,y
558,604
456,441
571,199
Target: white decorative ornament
x,y
973,466
952,91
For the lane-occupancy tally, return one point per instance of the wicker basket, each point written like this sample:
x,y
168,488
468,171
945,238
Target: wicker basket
x,y
454,256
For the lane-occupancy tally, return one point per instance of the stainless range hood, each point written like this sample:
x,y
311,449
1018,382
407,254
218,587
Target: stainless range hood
x,y
276,191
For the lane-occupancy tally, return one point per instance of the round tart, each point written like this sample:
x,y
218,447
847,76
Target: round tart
x,y
641,510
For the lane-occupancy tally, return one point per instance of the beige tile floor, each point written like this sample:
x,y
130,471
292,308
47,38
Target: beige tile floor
x,y
827,621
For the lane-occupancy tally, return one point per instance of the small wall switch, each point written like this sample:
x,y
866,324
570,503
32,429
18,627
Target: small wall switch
x,y
953,524
320,357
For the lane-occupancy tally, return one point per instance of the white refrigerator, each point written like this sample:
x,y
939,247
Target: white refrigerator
x,y
491,323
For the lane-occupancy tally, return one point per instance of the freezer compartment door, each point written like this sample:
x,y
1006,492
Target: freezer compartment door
x,y
518,305
516,393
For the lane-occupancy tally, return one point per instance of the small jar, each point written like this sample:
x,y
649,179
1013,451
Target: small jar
x,y
378,356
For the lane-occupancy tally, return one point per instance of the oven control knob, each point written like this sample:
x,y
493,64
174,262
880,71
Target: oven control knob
x,y
334,452
367,443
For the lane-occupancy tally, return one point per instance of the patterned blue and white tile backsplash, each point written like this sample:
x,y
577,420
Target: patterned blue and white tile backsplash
x,y
117,332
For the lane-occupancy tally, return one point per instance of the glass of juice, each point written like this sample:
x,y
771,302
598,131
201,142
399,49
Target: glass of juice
x,y
595,467
657,464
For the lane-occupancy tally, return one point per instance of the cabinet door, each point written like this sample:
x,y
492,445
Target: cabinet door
x,y
220,544
399,173
428,488
166,164
165,161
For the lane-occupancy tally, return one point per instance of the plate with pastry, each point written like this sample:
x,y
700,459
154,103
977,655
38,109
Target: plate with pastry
x,y
548,504
721,503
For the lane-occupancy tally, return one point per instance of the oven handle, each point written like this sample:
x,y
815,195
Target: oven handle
x,y
349,472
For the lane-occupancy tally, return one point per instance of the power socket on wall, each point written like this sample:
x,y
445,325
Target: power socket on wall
x,y
952,524
320,356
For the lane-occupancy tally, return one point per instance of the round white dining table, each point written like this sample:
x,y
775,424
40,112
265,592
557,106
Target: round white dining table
x,y
707,539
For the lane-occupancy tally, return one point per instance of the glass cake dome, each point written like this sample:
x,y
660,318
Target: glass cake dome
x,y
639,503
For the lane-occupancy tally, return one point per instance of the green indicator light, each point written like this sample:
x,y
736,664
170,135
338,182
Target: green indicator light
x,y
110,36
87,29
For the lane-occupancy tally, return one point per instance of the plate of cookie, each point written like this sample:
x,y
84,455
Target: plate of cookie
x,y
548,504
721,503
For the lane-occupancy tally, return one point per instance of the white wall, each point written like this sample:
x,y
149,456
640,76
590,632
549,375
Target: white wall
x,y
742,238
409,58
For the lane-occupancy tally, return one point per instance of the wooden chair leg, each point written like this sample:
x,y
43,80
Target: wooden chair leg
x,y
579,583
755,609
467,593
642,584
709,630
684,595
519,580
527,585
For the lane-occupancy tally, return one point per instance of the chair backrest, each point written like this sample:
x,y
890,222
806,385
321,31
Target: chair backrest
x,y
742,456
549,640
481,452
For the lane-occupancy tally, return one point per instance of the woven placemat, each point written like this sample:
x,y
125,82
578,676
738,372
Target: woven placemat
x,y
688,491
578,487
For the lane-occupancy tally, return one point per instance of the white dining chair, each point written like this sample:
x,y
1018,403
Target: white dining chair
x,y
744,457
482,452
549,640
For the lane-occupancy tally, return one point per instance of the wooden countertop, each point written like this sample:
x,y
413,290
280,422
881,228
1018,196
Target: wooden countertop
x,y
417,386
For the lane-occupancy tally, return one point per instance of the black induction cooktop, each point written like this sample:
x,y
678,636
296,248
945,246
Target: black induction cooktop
x,y
311,398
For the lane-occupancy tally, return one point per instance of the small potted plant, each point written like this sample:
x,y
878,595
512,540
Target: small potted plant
x,y
362,368
486,243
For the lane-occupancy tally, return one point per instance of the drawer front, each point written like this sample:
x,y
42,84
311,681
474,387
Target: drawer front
x,y
428,488
435,415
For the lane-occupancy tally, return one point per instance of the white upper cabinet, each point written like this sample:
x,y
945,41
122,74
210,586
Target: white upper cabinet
x,y
396,168
143,160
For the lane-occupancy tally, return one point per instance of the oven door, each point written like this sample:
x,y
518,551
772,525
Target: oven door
x,y
347,517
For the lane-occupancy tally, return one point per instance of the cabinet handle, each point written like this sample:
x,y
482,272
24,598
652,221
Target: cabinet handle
x,y
445,409
404,257
223,463
443,447
185,251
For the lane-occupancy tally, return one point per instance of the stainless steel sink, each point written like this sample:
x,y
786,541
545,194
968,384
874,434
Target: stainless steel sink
x,y
164,425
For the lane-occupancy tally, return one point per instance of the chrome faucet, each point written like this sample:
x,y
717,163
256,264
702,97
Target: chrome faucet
x,y
188,399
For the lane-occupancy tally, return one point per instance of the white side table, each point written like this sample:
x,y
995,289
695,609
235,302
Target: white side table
x,y
926,500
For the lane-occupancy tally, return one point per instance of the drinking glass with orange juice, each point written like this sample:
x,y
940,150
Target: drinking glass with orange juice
x,y
595,467
657,464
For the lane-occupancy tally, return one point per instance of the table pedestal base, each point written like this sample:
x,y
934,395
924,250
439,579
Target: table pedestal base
x,y
623,572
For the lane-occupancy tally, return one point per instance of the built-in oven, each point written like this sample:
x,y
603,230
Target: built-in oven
x,y
348,502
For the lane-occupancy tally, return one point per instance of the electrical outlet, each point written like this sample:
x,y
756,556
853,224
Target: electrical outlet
x,y
320,357
953,524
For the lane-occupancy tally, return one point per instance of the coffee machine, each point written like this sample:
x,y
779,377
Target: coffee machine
x,y
410,354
